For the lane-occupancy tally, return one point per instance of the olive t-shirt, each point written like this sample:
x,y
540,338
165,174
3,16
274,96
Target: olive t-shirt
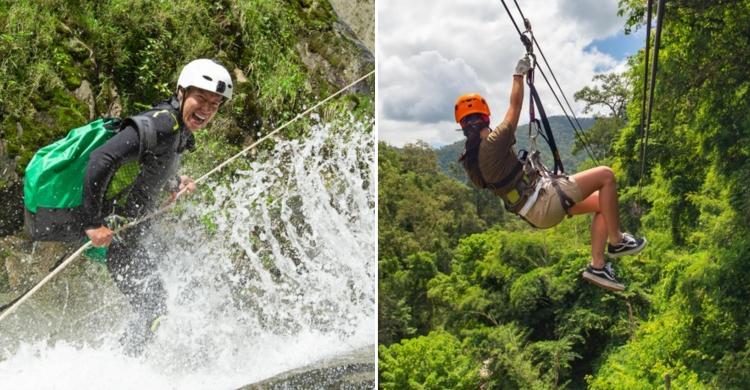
x,y
497,156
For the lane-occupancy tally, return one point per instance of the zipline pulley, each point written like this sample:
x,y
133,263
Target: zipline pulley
x,y
527,38
535,103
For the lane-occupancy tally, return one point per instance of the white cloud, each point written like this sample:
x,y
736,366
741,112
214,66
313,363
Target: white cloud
x,y
401,133
422,87
592,17
429,52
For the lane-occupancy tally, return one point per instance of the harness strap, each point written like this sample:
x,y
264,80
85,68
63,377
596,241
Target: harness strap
x,y
532,199
536,164
558,167
507,179
565,200
146,133
145,127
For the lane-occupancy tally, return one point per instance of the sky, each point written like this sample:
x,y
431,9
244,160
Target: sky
x,y
432,51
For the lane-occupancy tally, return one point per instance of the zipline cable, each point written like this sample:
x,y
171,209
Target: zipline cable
x,y
649,11
511,17
582,136
20,300
578,131
654,68
579,134
649,7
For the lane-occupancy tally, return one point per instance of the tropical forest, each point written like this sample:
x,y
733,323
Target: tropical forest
x,y
472,297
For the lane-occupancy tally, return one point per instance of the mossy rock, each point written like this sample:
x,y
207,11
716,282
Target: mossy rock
x,y
352,370
27,262
53,118
11,208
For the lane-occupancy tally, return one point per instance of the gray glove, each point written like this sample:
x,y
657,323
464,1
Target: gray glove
x,y
524,64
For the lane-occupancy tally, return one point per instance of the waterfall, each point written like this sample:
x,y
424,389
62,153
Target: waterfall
x,y
268,268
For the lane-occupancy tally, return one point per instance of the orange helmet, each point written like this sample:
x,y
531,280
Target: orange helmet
x,y
470,103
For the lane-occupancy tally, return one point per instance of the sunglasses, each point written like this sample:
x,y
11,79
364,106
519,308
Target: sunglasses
x,y
475,122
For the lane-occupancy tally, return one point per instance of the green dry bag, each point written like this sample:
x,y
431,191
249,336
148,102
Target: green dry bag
x,y
53,186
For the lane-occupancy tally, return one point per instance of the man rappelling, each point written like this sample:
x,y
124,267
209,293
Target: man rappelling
x,y
202,87
110,171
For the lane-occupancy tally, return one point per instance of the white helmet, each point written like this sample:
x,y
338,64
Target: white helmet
x,y
206,74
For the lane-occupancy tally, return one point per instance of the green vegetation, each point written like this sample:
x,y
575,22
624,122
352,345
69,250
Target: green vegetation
x,y
511,299
421,216
443,364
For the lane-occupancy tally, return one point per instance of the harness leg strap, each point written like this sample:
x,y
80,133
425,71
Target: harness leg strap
x,y
565,200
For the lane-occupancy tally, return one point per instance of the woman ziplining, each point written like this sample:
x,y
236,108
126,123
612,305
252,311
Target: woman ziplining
x,y
530,190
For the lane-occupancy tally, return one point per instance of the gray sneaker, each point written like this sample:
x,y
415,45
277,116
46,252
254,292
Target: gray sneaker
x,y
603,277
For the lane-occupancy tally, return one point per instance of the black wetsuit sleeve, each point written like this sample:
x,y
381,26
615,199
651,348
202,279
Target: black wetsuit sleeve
x,y
173,185
103,163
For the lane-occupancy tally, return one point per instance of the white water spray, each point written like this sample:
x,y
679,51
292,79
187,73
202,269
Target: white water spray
x,y
274,271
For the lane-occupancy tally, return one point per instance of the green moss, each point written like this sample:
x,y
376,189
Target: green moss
x,y
209,224
59,113
68,70
4,283
359,105
337,53
317,14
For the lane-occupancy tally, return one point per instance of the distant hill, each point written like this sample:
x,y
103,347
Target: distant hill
x,y
564,137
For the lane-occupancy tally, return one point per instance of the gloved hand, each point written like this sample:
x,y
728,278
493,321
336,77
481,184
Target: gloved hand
x,y
524,64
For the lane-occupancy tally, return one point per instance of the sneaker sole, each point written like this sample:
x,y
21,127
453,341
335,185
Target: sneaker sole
x,y
629,251
603,283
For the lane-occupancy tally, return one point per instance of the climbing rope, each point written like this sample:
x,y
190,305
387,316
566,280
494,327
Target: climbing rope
x,y
20,300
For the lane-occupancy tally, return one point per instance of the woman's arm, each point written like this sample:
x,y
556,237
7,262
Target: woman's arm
x,y
516,92
516,101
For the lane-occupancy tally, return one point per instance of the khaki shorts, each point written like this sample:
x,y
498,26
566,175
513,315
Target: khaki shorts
x,y
547,211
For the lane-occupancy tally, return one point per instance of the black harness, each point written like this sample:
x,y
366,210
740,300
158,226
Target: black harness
x,y
531,163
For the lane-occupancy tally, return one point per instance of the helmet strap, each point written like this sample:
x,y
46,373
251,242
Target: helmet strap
x,y
181,94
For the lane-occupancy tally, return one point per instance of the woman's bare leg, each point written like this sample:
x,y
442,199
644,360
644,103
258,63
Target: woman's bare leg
x,y
598,239
600,180
589,204
598,227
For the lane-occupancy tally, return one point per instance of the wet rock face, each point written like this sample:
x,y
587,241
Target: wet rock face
x,y
11,207
359,15
336,54
85,94
11,192
354,370
27,262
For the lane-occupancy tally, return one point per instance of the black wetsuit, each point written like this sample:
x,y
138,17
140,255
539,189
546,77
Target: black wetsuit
x,y
130,260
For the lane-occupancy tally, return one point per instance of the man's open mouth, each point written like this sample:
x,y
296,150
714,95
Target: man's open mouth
x,y
198,118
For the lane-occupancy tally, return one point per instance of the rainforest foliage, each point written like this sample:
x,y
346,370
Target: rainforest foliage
x,y
472,298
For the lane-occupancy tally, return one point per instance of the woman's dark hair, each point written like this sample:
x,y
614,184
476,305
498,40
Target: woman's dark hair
x,y
470,157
